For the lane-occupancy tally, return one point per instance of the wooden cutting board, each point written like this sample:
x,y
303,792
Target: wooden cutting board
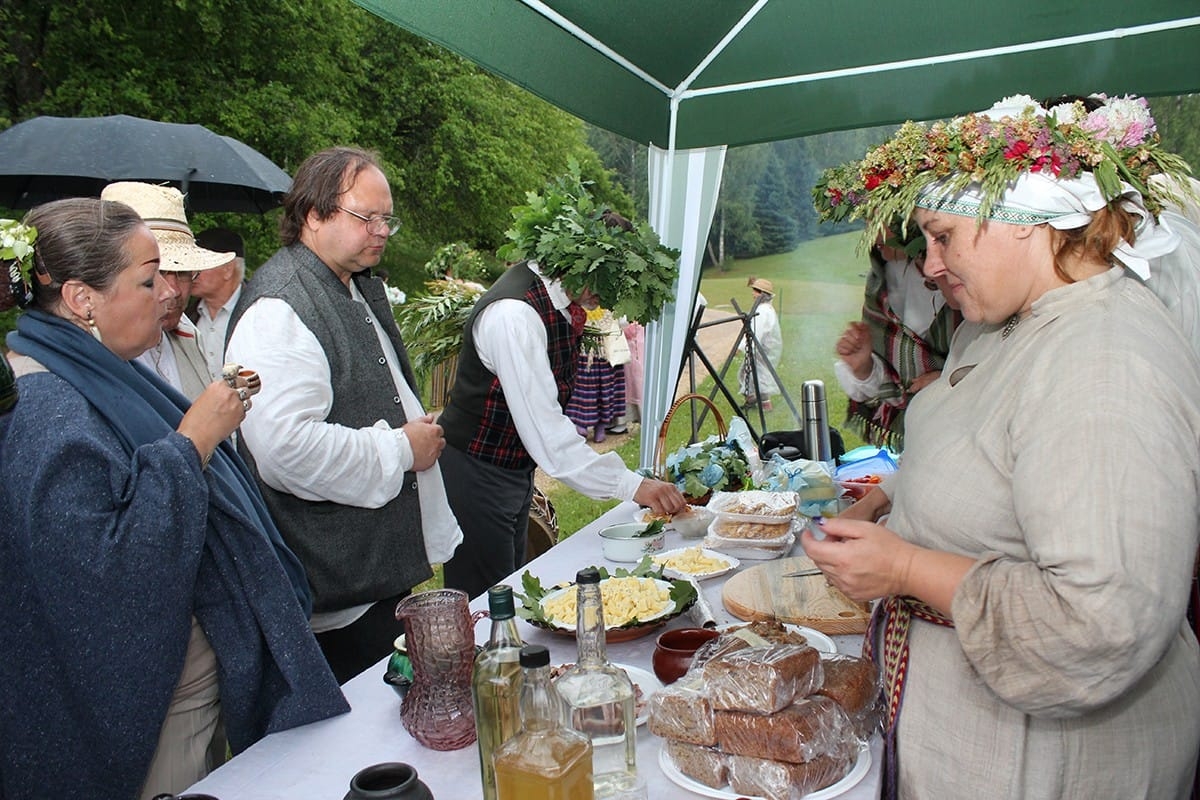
x,y
762,593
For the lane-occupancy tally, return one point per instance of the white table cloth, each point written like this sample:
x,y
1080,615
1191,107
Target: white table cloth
x,y
317,761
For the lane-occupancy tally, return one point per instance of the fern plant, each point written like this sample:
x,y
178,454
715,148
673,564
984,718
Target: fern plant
x,y
432,324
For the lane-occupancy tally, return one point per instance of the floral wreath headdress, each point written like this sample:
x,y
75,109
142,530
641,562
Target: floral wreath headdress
x,y
17,252
1114,150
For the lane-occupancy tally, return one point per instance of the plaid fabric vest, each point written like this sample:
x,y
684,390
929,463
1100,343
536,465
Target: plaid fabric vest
x,y
477,420
906,355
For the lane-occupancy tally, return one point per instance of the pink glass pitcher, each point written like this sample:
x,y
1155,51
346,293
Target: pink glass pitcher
x,y
439,631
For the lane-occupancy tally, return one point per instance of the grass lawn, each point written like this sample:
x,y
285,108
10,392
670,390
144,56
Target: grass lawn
x,y
818,289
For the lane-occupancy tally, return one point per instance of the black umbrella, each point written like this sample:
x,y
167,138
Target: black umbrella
x,y
46,158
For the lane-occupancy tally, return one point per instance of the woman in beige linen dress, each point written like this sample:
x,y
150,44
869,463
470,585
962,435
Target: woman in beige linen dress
x,y
1043,526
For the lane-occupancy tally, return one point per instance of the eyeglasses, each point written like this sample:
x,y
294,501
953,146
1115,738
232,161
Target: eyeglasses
x,y
376,223
179,276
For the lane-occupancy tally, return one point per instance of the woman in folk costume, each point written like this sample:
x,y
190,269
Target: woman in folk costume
x,y
897,349
598,400
148,600
1035,566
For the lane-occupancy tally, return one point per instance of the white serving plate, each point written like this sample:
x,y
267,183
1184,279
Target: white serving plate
x,y
730,565
668,607
861,767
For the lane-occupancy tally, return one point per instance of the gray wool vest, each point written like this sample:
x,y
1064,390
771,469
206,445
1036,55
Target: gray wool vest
x,y
352,555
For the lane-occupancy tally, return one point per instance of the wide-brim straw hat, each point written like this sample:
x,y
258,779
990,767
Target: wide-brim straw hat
x,y
161,208
763,285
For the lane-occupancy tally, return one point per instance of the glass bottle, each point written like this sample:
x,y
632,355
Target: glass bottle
x,y
546,760
598,698
496,684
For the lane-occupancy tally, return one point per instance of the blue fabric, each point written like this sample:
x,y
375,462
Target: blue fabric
x,y
114,539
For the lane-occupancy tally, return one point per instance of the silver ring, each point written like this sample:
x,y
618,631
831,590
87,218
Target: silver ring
x,y
229,373
243,395
245,405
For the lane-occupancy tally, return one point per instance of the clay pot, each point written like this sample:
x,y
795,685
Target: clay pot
x,y
674,649
388,781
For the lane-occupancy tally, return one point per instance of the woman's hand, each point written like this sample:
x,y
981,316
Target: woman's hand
x,y
870,507
923,380
216,413
854,347
863,560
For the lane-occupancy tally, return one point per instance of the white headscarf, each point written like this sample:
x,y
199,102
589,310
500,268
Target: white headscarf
x,y
1037,198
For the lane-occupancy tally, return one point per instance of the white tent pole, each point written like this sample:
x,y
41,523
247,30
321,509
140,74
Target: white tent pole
x,y
947,58
683,197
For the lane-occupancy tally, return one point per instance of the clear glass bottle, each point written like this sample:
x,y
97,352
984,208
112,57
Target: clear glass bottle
x,y
598,698
496,684
546,760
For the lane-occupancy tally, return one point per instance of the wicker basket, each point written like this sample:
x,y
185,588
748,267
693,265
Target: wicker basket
x,y
660,450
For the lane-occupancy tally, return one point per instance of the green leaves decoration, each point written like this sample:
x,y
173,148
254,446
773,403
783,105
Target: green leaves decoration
x,y
562,228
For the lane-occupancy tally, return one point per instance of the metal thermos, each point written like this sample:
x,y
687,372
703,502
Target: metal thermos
x,y
816,422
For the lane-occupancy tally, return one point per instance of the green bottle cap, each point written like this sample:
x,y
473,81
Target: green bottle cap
x,y
500,602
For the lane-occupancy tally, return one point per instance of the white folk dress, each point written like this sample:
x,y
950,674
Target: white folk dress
x,y
1067,463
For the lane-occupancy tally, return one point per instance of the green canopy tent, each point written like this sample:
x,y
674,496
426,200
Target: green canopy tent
x,y
691,77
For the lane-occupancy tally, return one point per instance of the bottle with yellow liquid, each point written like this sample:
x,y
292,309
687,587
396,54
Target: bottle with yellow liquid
x,y
546,760
496,684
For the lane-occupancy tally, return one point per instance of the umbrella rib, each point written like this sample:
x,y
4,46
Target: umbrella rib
x,y
597,45
971,55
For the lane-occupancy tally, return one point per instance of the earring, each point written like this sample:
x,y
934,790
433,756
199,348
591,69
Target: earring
x,y
93,329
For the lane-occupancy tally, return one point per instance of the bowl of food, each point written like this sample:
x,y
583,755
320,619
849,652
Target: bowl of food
x,y
630,542
636,601
691,523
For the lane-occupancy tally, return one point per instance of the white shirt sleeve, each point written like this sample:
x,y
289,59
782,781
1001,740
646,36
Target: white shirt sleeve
x,y
865,390
511,342
295,449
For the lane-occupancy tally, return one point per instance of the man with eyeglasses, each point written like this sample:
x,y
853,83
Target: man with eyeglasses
x,y
177,358
344,453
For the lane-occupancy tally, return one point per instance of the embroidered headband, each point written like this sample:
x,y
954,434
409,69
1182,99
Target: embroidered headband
x,y
1017,163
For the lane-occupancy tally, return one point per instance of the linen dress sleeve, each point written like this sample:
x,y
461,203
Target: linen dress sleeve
x,y
1105,487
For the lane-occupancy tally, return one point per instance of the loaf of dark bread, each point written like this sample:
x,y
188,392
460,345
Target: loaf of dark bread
x,y
850,681
776,780
706,765
808,729
762,679
682,711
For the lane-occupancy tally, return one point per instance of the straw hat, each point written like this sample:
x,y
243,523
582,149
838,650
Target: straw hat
x,y
161,207
762,284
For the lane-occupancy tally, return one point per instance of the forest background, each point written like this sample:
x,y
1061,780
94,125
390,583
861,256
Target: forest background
x,y
460,147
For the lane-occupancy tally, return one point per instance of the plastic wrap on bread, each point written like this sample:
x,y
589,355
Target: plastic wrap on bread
x,y
683,712
815,726
776,780
763,680
706,765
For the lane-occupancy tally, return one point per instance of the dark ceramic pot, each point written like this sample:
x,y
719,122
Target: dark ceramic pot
x,y
392,780
674,650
